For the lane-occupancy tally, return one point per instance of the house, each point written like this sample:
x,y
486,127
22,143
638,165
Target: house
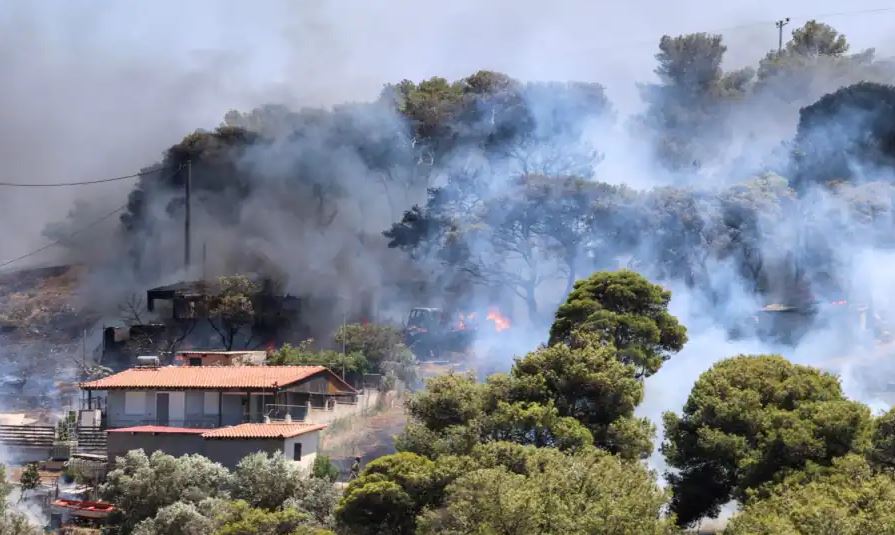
x,y
226,445
215,396
220,358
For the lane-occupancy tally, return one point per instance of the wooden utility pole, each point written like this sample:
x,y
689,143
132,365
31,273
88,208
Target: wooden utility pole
x,y
780,24
186,219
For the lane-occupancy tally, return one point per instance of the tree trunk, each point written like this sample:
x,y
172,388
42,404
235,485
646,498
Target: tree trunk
x,y
531,303
570,279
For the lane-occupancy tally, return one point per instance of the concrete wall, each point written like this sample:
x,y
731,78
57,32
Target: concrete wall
x,y
176,445
310,443
228,452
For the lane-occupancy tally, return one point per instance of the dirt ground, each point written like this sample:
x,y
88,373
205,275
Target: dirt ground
x,y
368,435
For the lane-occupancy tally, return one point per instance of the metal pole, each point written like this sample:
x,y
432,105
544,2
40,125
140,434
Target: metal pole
x,y
186,220
204,258
780,24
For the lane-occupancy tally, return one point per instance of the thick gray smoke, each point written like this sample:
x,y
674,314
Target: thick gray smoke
x,y
97,91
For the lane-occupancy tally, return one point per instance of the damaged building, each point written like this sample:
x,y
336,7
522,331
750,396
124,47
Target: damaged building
x,y
180,318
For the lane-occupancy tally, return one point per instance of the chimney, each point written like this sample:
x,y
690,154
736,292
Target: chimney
x,y
267,419
288,418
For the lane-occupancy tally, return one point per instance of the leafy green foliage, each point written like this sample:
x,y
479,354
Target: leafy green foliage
x,y
588,492
808,43
535,424
368,348
560,396
141,485
748,422
377,343
231,308
179,518
264,522
848,498
448,400
6,488
587,383
623,309
882,450
373,505
323,468
685,108
304,355
30,478
266,480
825,152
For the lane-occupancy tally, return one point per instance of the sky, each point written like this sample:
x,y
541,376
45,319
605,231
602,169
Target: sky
x,y
95,89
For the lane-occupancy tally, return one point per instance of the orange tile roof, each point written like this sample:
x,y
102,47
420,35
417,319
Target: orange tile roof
x,y
211,377
271,430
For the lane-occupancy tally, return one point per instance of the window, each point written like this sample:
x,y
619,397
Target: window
x,y
195,361
134,402
296,451
211,402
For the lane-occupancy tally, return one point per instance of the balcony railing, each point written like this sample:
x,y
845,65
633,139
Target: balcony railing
x,y
296,413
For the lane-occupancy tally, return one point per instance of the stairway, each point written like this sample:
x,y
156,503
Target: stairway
x,y
29,436
91,440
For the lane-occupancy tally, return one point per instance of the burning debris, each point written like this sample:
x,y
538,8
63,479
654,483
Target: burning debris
x,y
501,322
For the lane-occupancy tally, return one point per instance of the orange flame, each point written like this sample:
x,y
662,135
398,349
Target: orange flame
x,y
501,322
462,319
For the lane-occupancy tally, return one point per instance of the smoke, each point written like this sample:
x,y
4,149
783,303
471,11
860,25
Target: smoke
x,y
98,91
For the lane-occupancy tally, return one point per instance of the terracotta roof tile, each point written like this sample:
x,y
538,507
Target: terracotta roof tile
x,y
210,377
164,429
271,430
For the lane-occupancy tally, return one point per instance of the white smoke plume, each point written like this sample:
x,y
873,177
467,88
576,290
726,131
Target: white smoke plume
x,y
96,91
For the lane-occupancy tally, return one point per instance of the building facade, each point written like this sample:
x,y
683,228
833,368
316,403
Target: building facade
x,y
206,397
226,445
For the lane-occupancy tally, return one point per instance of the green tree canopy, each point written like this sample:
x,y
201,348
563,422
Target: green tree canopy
x,y
849,498
751,420
231,308
587,383
448,400
141,485
305,355
882,450
388,495
626,310
266,480
588,492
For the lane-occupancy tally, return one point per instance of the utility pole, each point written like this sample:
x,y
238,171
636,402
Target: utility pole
x,y
204,259
186,220
780,24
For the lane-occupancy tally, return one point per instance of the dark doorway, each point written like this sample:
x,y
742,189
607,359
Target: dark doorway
x,y
296,452
161,409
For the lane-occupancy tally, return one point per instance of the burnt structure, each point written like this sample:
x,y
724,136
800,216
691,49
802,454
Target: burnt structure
x,y
182,321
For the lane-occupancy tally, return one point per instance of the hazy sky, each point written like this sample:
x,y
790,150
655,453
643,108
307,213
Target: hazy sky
x,y
101,88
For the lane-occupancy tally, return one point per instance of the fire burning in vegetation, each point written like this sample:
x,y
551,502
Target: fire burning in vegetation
x,y
501,322
464,320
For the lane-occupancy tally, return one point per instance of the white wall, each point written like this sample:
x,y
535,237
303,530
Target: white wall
x,y
309,445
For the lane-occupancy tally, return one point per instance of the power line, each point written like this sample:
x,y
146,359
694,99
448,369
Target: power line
x,y
80,230
78,183
59,241
652,41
